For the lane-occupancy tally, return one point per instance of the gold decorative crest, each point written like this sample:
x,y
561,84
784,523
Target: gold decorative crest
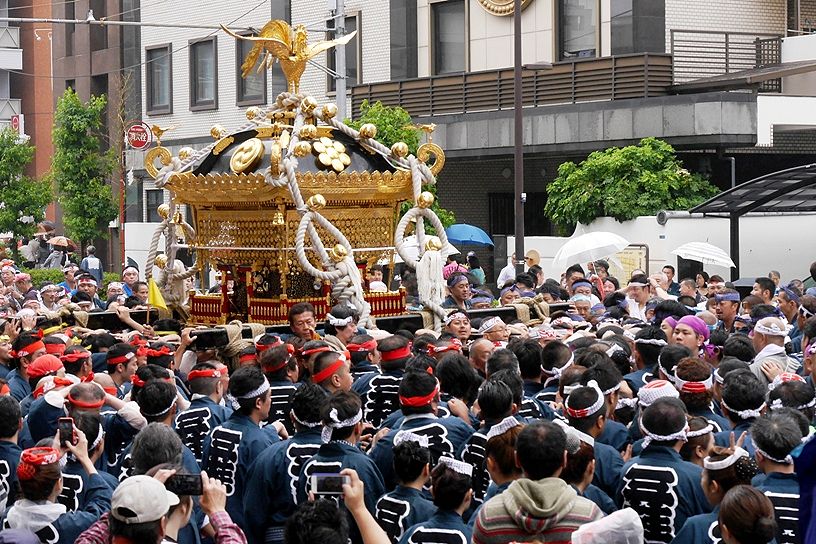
x,y
502,8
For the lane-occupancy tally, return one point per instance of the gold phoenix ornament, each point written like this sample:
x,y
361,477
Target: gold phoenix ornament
x,y
277,40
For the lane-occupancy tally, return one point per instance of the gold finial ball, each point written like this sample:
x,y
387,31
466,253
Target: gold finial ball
x,y
218,132
329,110
308,132
302,149
400,149
317,202
253,113
426,199
338,253
163,211
161,260
308,105
185,153
433,244
368,130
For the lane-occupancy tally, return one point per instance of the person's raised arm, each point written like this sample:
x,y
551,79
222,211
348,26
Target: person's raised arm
x,y
354,497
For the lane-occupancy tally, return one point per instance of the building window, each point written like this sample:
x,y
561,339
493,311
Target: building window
x,y
159,77
449,36
622,27
203,75
70,28
153,199
251,89
403,39
577,28
353,71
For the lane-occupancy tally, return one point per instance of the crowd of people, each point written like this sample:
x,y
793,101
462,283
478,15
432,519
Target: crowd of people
x,y
647,410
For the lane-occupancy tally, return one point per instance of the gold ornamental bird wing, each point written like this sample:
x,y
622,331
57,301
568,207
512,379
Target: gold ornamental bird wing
x,y
319,47
275,37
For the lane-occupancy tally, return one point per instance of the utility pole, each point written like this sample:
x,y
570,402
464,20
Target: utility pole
x,y
518,150
338,11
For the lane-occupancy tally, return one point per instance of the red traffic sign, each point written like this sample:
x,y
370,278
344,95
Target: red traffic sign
x,y
15,123
138,136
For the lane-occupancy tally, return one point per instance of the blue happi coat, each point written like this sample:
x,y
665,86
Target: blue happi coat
x,y
229,451
446,436
401,509
194,424
663,489
270,492
444,526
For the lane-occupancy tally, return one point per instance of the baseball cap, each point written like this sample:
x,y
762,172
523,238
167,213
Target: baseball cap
x,y
141,499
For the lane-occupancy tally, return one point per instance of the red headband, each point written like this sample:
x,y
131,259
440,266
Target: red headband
x,y
327,372
141,351
246,358
121,359
111,391
455,345
55,349
137,381
93,405
316,350
418,402
29,349
693,387
206,373
263,347
164,350
33,458
371,345
399,353
577,413
49,385
88,378
74,357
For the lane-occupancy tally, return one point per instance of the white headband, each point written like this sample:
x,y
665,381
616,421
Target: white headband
x,y
612,389
166,410
583,437
335,424
682,434
408,436
502,427
708,464
636,284
788,460
305,423
744,414
257,392
772,330
626,402
457,466
613,349
700,432
454,315
719,379
337,322
581,413
556,371
98,439
651,341
489,324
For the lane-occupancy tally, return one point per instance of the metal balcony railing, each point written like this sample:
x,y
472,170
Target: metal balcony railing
x,y
579,80
699,54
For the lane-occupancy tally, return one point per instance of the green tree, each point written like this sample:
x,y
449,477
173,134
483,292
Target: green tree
x,y
624,183
81,166
394,124
22,199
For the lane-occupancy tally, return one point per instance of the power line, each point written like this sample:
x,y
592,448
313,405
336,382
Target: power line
x,y
215,29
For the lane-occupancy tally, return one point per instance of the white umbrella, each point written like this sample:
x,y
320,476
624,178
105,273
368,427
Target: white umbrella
x,y
589,247
412,248
704,253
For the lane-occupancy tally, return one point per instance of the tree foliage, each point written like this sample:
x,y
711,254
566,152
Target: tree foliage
x,y
22,199
394,125
624,183
81,167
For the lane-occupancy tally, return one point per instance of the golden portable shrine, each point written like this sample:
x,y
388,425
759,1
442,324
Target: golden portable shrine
x,y
293,206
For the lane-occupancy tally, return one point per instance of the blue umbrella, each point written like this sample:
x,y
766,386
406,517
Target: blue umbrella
x,y
468,234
